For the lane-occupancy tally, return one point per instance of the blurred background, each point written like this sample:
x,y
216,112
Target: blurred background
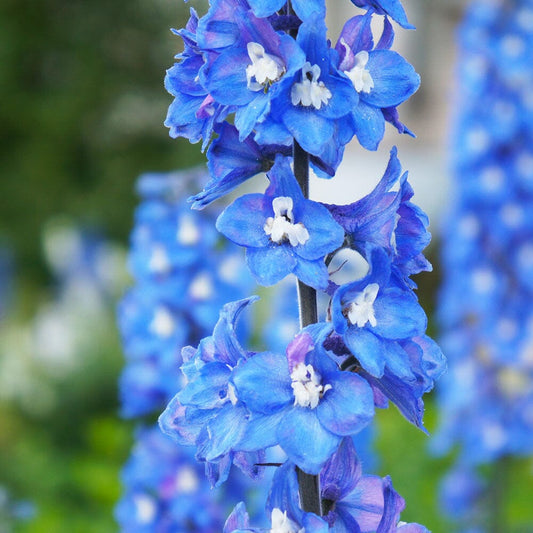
x,y
81,117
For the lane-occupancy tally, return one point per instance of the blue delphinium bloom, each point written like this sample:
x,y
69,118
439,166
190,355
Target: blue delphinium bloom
x,y
372,316
310,102
248,75
382,78
352,501
206,412
193,112
282,231
307,405
291,100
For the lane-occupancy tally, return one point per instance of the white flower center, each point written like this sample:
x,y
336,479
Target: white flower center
x,y
201,287
264,70
359,75
306,386
159,262
281,227
145,508
310,92
231,395
188,232
163,324
513,383
483,280
282,524
361,310
187,480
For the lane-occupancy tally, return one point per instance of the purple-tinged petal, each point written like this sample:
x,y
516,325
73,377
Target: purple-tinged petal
x,y
402,394
341,473
357,35
238,519
394,504
298,349
387,37
365,503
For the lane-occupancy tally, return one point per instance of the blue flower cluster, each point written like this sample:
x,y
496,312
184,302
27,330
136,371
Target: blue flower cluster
x,y
180,282
262,87
269,67
182,274
486,399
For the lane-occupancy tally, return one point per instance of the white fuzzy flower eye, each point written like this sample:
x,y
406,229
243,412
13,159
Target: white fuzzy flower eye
x,y
359,75
310,92
361,309
307,386
281,227
282,524
264,70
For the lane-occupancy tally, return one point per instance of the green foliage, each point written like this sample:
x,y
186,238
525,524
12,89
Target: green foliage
x,y
81,85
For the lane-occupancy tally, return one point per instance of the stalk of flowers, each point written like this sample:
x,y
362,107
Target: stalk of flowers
x,y
486,400
182,275
262,87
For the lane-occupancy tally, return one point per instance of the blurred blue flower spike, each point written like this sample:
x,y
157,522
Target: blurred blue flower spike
x,y
485,311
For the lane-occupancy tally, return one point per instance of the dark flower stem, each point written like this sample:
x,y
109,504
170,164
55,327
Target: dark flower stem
x,y
309,485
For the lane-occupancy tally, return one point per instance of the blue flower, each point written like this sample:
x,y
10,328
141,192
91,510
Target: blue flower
x,y
193,113
302,400
372,316
282,231
352,501
247,75
381,77
206,411
309,103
